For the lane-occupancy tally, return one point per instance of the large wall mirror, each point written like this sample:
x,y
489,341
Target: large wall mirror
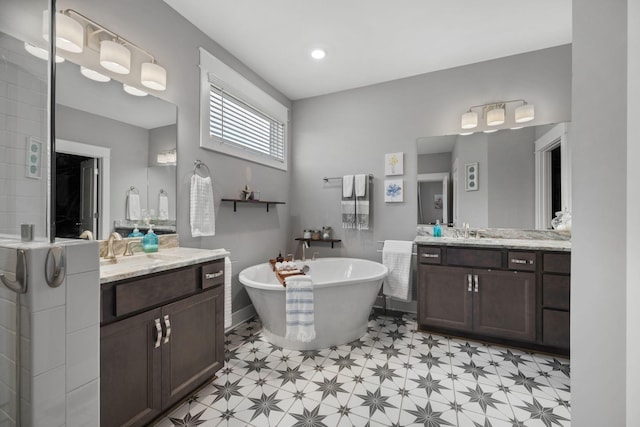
x,y
115,158
511,178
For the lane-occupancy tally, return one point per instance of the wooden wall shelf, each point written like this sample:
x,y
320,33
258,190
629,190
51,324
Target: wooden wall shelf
x,y
255,202
332,241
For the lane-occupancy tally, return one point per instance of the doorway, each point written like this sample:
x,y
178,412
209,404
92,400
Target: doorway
x,y
76,195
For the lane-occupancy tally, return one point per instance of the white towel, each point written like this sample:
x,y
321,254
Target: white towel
x,y
163,206
299,306
227,293
348,203
133,206
362,201
396,256
201,211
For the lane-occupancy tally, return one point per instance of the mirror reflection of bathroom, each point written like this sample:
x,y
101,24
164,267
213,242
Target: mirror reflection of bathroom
x,y
100,130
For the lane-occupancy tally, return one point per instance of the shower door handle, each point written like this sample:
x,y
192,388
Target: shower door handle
x,y
19,285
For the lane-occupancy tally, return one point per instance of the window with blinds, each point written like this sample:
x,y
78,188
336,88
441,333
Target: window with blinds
x,y
236,123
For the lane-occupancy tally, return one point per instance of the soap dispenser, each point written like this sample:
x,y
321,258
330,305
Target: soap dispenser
x,y
437,229
150,241
135,232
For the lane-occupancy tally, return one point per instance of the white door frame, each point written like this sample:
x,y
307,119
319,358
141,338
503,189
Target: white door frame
x,y
556,136
442,177
103,154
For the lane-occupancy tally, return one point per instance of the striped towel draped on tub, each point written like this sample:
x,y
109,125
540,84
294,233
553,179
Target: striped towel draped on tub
x,y
299,306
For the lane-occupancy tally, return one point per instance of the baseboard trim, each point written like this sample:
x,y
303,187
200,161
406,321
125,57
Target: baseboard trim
x,y
241,316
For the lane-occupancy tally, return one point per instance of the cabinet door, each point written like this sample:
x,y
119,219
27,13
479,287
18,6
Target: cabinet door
x,y
195,348
130,371
504,304
444,298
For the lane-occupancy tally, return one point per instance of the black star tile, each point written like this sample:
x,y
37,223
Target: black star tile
x,y
188,420
429,384
428,417
375,401
264,405
546,415
527,382
309,418
330,387
290,375
557,365
483,399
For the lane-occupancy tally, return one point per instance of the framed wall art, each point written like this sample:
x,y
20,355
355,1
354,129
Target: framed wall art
x,y
393,190
394,164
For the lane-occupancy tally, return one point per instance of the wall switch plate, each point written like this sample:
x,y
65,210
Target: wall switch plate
x,y
34,158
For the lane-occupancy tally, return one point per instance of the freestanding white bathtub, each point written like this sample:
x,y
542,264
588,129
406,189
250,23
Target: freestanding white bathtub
x,y
344,291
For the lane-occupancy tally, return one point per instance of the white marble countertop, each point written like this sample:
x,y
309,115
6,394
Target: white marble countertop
x,y
532,244
141,264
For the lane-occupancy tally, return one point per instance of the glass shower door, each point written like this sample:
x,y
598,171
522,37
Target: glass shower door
x,y
24,169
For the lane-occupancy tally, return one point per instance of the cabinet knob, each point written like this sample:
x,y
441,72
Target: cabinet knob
x,y
158,333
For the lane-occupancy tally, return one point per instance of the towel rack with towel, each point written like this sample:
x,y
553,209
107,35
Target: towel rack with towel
x,y
199,164
382,242
327,179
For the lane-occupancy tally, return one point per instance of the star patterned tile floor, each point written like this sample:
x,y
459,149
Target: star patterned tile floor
x,y
392,376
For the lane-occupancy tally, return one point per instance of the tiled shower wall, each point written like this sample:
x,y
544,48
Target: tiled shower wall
x,y
23,112
7,351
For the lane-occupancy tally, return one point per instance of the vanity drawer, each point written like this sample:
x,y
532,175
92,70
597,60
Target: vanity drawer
x,y
429,255
556,291
486,258
213,274
155,290
556,263
522,261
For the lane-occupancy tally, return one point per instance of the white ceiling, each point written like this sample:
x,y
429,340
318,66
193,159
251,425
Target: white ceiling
x,y
372,41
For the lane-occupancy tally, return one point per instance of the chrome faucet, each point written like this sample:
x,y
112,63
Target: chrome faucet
x,y
305,245
113,236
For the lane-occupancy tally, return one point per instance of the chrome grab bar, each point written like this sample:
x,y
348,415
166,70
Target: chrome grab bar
x,y
54,267
19,285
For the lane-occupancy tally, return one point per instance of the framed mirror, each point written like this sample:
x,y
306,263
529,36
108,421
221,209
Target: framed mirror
x,y
511,178
112,149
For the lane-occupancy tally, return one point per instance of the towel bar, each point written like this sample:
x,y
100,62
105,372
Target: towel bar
x,y
327,179
412,253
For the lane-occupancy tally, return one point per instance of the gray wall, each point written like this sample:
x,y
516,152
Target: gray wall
x,y
473,206
251,234
511,169
605,387
428,190
350,131
434,163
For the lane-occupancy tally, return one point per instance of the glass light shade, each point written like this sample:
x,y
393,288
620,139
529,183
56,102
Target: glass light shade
x,y
69,32
93,74
153,76
490,130
162,158
115,57
525,113
172,156
133,90
469,120
466,133
495,116
41,53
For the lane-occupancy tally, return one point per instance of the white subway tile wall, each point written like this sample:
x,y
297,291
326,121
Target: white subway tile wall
x,y
23,113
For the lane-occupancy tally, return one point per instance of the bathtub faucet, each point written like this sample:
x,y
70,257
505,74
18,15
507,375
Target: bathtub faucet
x,y
305,245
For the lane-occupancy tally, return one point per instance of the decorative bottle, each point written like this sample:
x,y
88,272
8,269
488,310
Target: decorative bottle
x,y
150,241
437,229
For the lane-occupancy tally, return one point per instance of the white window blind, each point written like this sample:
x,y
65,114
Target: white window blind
x,y
235,122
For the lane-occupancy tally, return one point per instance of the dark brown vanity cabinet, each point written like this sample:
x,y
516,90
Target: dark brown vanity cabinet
x,y
556,298
162,345
490,294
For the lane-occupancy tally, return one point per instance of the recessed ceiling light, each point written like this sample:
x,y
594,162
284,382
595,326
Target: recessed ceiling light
x,y
318,53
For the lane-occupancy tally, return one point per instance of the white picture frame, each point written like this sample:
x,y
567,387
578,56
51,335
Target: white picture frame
x,y
394,164
394,190
471,180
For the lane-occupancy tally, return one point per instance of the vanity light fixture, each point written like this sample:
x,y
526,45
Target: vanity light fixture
x,y
494,114
133,90
168,157
41,53
69,32
115,52
115,57
93,74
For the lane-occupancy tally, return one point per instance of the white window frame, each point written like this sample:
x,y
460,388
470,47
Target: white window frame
x,y
212,70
